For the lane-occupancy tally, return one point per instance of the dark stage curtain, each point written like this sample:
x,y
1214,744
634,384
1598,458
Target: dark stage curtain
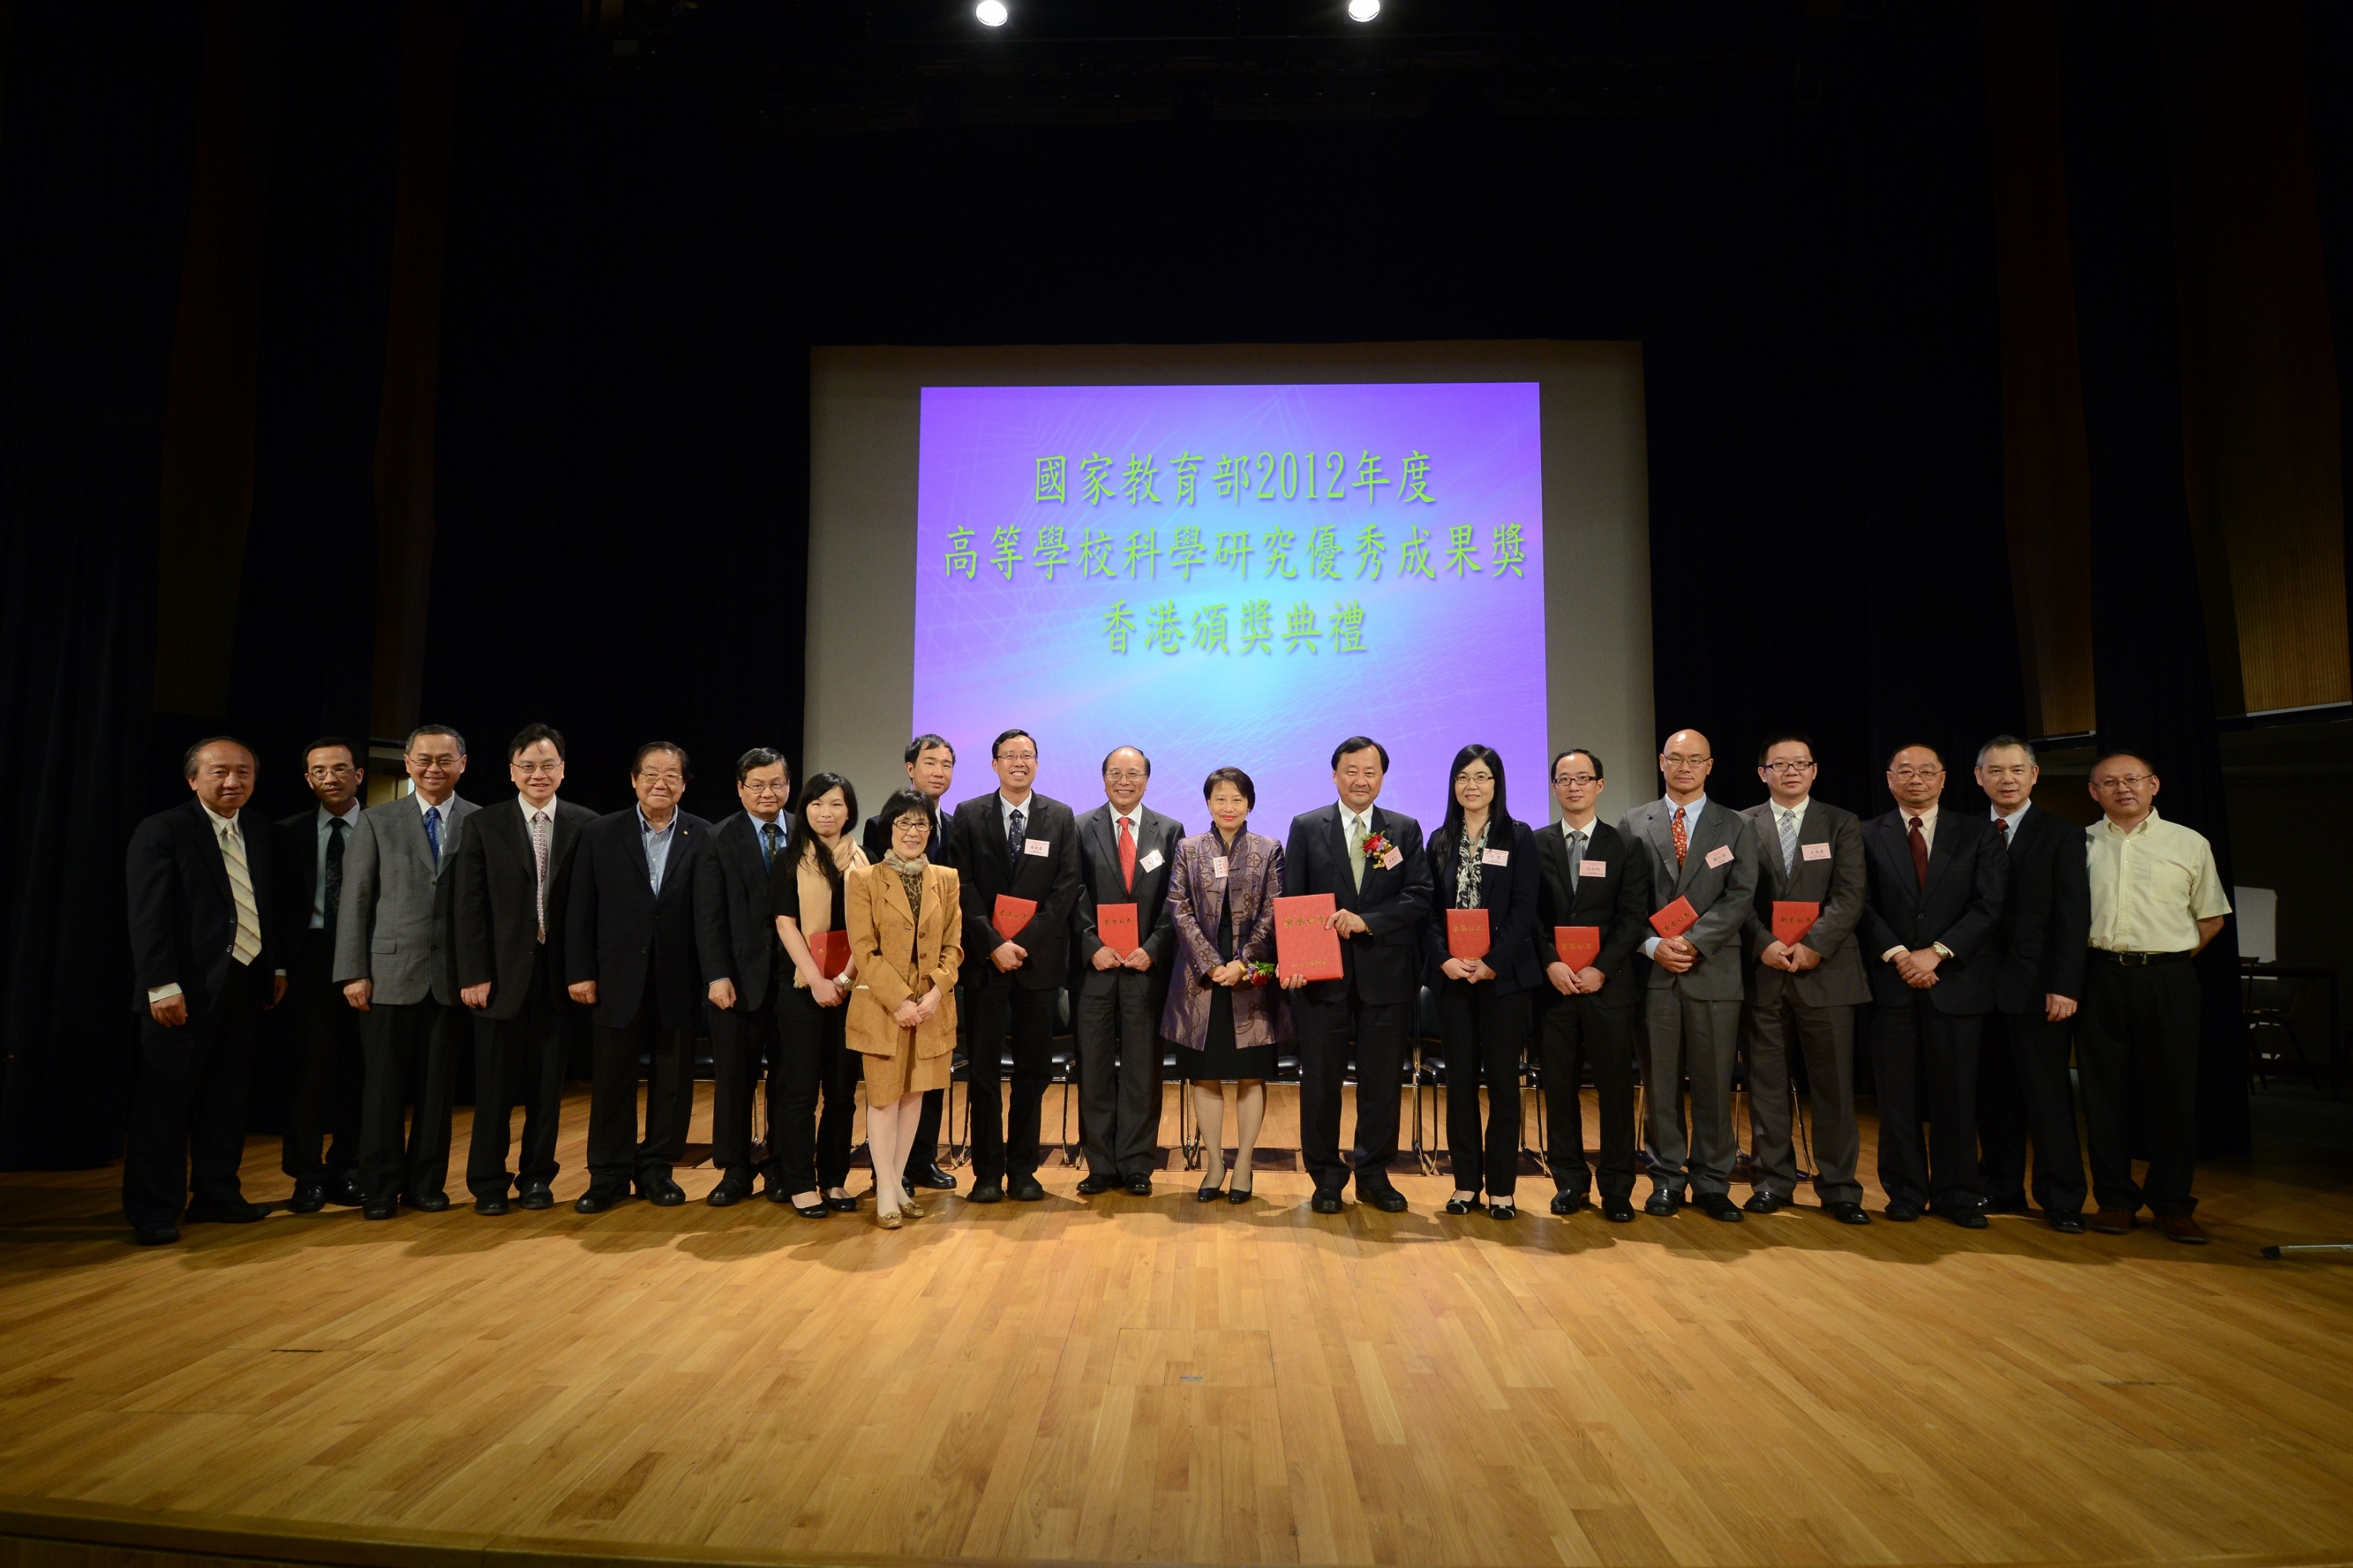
x,y
2151,666
95,142
2327,70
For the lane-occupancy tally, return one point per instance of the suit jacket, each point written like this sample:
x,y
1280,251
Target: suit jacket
x,y
899,955
613,921
394,928
2046,914
1617,901
294,861
1721,894
182,914
496,900
1508,894
875,837
1836,884
976,849
1099,882
1198,900
1384,965
735,919
1960,907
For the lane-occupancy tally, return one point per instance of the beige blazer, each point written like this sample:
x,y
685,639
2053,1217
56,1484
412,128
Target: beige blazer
x,y
881,930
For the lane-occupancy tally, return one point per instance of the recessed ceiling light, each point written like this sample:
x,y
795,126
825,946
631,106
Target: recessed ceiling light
x,y
993,14
1364,10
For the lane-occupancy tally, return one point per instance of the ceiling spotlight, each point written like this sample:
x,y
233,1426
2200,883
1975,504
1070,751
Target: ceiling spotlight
x,y
992,13
1364,10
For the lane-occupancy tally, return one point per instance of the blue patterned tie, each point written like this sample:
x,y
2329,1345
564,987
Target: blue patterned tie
x,y
1013,837
768,845
432,833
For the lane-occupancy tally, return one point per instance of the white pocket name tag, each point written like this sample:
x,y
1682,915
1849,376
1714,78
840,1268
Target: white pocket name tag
x,y
1393,859
1593,867
1814,851
1040,847
1495,857
1719,855
1151,861
1217,867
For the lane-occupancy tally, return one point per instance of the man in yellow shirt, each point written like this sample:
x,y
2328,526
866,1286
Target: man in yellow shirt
x,y
2156,899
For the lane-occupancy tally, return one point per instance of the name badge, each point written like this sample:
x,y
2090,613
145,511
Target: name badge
x,y
1495,857
1392,859
1814,851
1217,867
1151,861
1040,847
1593,867
1719,855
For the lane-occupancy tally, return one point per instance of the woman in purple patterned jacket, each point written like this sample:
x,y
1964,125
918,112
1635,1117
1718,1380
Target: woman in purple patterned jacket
x,y
1222,896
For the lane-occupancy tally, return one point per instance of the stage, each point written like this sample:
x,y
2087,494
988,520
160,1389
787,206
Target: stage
x,y
1122,1379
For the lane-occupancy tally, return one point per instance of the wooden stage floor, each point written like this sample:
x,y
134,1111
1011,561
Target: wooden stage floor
x,y
1123,1380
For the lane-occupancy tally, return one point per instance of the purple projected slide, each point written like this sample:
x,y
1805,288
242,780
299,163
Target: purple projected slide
x,y
1235,574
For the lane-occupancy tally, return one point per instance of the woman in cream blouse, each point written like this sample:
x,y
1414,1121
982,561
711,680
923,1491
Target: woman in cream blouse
x,y
808,889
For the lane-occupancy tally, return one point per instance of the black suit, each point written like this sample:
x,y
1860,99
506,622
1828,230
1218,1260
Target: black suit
x,y
187,1124
924,1150
1925,1042
1484,1025
2022,1086
735,935
1593,1031
1375,1001
1021,1003
638,945
321,1029
518,1039
1116,1013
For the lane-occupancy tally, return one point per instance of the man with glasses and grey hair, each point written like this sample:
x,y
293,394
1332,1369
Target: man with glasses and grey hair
x,y
735,938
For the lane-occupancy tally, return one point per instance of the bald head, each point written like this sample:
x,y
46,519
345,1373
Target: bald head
x,y
1684,763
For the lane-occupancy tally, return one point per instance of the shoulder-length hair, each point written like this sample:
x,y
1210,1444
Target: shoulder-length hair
x,y
805,843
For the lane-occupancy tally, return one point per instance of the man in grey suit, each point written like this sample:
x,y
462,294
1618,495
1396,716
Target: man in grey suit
x,y
1807,852
394,961
1701,851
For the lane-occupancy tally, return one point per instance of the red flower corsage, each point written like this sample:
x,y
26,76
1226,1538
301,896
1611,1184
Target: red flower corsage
x,y
1375,846
1260,975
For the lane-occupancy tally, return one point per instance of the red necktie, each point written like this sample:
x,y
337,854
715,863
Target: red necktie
x,y
1682,840
2001,831
1919,854
1127,854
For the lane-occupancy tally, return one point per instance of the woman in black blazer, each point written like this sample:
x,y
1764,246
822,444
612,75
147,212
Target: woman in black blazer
x,y
1479,858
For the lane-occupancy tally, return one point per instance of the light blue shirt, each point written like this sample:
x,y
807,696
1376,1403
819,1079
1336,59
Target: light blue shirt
x,y
759,830
657,841
350,819
1691,829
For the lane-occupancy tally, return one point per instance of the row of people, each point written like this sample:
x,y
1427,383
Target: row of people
x,y
836,957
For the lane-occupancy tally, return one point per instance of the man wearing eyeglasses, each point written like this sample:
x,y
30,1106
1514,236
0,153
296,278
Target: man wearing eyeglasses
x,y
735,937
322,1030
2156,899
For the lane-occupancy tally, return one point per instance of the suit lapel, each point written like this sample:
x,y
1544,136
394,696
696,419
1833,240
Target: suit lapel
x,y
1660,831
1942,853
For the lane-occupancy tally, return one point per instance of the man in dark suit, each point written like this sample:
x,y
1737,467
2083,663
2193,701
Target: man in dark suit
x,y
2046,924
1589,876
1018,844
1810,852
1125,850
204,939
1701,851
1371,862
931,769
628,953
1934,902
323,1032
735,938
514,876
392,941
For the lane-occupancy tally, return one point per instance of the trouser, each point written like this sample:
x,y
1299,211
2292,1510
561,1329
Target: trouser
x,y
1924,1065
2139,1041
1826,1037
812,1059
1380,1030
1006,1144
185,1129
1687,1036
2022,1091
410,1051
1119,1073
616,1152
741,1040
517,1059
1578,1033
924,1152
322,1037
1485,1032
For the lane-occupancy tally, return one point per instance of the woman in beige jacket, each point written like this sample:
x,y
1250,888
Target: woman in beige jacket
x,y
905,931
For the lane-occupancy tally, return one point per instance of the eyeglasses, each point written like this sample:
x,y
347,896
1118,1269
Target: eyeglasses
x,y
1016,756
1124,776
1788,767
2124,780
672,777
1908,774
434,759
1467,776
340,771
1676,760
761,786
1576,779
531,770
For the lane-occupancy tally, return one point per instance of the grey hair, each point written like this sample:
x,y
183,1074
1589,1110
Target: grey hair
x,y
2002,743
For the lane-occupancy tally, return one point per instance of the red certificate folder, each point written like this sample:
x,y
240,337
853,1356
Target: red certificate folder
x,y
1675,919
1466,933
1012,914
832,951
1792,919
1115,927
1578,946
1303,945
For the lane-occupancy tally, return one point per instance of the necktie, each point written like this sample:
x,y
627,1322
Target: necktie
x,y
539,866
1013,836
433,834
1576,854
1127,853
768,845
1789,843
1682,840
2001,831
335,880
1353,825
1919,854
248,945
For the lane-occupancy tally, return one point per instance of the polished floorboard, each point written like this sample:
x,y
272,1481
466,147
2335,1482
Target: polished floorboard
x,y
1121,1379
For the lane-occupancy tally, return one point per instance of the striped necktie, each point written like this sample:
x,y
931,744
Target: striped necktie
x,y
248,945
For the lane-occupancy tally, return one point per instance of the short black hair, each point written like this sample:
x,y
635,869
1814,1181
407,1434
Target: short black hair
x,y
1584,751
1783,738
189,758
2003,742
1234,776
999,744
922,744
1915,746
531,735
2110,753
904,802
326,742
448,730
638,762
761,757
1117,749
1359,743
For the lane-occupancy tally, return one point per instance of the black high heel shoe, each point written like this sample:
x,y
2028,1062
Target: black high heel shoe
x,y
1208,1192
1237,1194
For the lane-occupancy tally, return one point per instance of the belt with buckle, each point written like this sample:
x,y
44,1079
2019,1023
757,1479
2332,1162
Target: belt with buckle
x,y
2142,959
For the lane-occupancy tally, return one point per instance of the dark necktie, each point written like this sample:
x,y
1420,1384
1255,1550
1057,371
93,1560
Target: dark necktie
x,y
433,834
1013,826
2001,831
335,827
768,845
1919,854
1576,852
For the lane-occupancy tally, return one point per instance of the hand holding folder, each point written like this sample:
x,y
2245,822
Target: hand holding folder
x,y
1305,945
1675,919
1578,946
1466,934
832,951
1115,927
1792,919
1012,915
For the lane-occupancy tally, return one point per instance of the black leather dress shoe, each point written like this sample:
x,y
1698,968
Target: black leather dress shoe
x,y
379,1211
1847,1213
734,1187
842,1205
1025,1190
596,1199
1096,1183
1762,1202
343,1191
491,1203
1902,1213
310,1196
1617,1211
931,1175
1968,1219
1720,1206
427,1203
225,1213
774,1190
1567,1202
1324,1203
1139,1187
660,1191
986,1192
2066,1222
156,1234
534,1195
1387,1199
1660,1203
